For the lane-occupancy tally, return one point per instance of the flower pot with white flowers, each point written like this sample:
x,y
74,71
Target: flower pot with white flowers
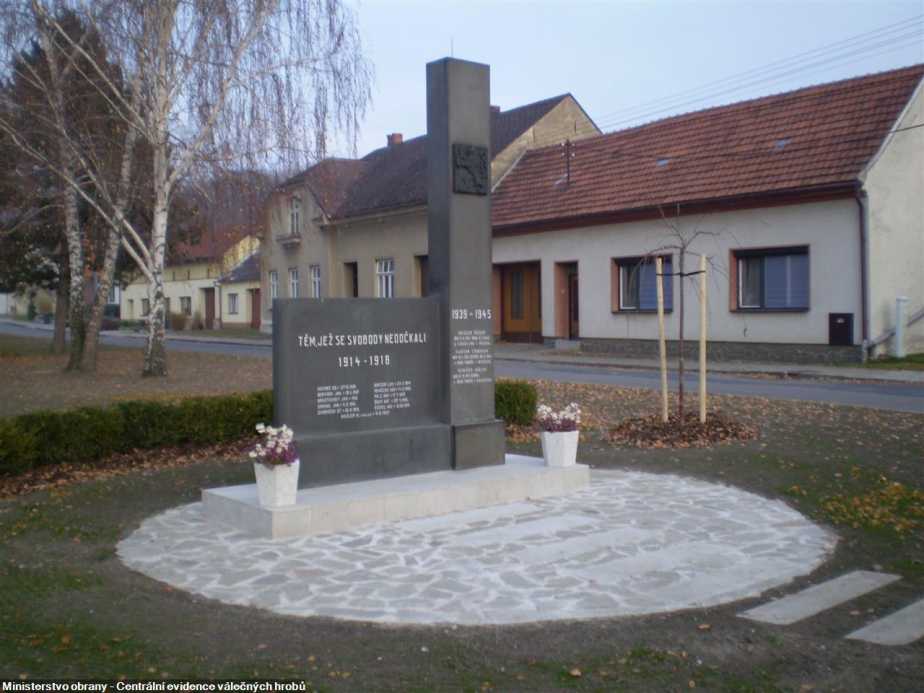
x,y
275,464
560,433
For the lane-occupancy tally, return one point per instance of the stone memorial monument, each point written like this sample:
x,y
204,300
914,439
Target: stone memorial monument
x,y
378,388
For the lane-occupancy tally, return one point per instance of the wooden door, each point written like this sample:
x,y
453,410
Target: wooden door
x,y
522,310
573,316
255,316
209,308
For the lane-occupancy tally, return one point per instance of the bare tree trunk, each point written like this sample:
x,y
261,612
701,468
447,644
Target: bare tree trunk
x,y
75,261
91,344
680,412
155,352
59,338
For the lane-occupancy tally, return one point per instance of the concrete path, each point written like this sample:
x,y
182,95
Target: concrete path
x,y
818,598
632,543
900,628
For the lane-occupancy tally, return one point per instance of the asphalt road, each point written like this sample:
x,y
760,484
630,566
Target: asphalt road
x,y
889,396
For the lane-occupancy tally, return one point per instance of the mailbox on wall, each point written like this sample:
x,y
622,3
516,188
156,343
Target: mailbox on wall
x,y
840,329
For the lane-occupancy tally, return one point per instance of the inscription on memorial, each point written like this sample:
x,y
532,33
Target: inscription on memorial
x,y
472,343
333,379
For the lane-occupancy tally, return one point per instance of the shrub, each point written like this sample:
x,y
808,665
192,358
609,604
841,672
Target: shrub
x,y
515,402
44,305
17,449
177,322
81,435
89,433
148,425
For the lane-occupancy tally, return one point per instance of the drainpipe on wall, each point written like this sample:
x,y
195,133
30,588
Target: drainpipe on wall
x,y
863,210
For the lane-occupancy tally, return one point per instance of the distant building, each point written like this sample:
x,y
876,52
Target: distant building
x,y
811,203
194,283
358,227
813,199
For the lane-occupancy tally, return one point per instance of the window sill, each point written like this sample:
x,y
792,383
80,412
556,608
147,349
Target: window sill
x,y
636,311
771,310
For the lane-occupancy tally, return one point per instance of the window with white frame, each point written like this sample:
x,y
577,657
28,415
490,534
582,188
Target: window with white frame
x,y
232,304
186,305
385,278
295,206
274,284
293,283
772,278
637,286
316,281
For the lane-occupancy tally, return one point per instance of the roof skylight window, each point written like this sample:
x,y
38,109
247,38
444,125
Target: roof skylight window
x,y
662,162
782,142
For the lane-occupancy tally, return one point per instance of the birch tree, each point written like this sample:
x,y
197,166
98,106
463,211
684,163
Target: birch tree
x,y
35,120
207,85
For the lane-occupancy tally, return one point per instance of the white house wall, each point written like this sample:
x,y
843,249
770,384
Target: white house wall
x,y
401,237
243,290
895,189
830,229
311,250
187,280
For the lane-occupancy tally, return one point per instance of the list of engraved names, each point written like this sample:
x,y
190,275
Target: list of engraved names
x,y
471,356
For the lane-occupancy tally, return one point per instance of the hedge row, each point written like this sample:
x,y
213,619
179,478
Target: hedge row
x,y
515,402
87,434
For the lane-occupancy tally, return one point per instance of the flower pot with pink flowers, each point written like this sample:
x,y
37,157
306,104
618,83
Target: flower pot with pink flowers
x,y
560,433
275,464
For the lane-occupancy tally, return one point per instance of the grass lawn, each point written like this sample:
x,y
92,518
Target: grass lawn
x,y
68,608
33,380
912,362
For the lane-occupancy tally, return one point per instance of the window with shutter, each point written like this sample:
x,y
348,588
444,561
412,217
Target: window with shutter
x,y
773,278
638,288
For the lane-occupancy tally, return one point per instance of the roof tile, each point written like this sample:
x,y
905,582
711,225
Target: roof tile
x,y
833,130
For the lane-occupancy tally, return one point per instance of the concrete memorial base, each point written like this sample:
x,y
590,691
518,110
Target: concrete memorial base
x,y
345,506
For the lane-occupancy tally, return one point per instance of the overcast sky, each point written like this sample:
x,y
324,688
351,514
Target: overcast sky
x,y
617,56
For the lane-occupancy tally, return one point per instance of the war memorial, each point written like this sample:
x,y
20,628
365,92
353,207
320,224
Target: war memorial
x,y
408,510
377,390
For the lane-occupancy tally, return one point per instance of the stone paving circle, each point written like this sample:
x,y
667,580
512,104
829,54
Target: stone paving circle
x,y
632,543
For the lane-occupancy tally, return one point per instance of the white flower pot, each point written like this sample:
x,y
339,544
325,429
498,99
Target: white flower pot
x,y
559,449
276,486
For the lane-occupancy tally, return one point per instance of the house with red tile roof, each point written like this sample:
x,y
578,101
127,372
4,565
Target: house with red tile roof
x,y
358,227
212,283
809,206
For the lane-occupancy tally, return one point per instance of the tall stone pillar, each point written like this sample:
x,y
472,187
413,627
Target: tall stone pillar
x,y
459,234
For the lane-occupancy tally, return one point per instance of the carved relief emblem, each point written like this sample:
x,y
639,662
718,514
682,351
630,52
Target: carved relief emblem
x,y
471,173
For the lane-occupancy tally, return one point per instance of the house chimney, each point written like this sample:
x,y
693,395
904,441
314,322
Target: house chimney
x,y
495,110
395,138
